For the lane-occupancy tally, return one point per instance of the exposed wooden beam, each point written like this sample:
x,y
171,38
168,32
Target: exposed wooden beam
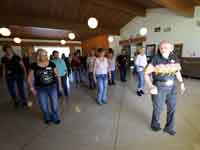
x,y
180,6
122,5
55,24
84,9
197,2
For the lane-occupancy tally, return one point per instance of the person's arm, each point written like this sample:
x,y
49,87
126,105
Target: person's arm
x,y
94,72
150,69
109,68
180,79
65,67
58,78
4,70
30,82
24,68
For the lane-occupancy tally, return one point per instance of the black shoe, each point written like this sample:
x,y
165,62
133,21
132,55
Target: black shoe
x,y
24,104
139,93
113,83
156,129
16,103
142,92
104,102
47,121
57,122
170,132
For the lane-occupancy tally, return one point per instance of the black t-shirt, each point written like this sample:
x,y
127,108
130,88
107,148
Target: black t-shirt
x,y
158,60
122,60
44,76
13,65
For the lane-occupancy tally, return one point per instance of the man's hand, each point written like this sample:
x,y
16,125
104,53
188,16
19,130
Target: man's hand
x,y
154,90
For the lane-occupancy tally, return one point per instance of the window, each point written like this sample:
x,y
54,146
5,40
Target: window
x,y
61,50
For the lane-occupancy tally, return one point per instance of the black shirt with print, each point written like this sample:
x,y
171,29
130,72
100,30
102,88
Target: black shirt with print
x,y
44,76
12,66
160,60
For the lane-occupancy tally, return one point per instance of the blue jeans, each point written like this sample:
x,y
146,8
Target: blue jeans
x,y
113,76
77,76
102,85
141,80
12,82
91,80
122,73
45,95
165,95
64,86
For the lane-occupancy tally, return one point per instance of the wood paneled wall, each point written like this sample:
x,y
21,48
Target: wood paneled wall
x,y
100,41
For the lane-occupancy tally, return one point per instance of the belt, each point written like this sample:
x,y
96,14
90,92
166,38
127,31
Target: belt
x,y
165,83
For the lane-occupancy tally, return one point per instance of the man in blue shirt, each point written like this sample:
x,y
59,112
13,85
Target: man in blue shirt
x,y
62,71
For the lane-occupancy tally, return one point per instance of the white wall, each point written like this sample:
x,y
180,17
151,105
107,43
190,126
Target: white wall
x,y
184,30
115,45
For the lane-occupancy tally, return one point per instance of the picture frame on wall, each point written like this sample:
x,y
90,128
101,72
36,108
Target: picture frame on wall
x,y
150,50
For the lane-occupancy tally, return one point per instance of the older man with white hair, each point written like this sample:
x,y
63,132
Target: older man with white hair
x,y
165,69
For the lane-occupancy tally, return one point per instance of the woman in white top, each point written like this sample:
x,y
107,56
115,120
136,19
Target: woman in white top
x,y
90,67
140,64
101,68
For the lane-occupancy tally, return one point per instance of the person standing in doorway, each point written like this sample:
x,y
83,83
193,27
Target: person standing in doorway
x,y
62,71
122,61
15,73
140,64
45,77
90,66
164,68
101,69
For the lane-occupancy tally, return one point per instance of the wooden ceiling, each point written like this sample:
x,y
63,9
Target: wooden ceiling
x,y
72,15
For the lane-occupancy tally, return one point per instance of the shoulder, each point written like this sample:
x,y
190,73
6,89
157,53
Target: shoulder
x,y
51,64
155,60
173,57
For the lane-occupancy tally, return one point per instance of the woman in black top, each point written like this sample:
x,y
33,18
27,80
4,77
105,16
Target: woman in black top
x,y
15,73
45,76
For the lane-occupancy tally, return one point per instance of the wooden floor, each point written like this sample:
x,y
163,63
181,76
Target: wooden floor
x,y
123,124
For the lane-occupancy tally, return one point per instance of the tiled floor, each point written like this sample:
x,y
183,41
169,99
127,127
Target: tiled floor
x,y
123,124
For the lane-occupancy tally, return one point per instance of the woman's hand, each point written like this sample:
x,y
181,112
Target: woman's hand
x,y
33,91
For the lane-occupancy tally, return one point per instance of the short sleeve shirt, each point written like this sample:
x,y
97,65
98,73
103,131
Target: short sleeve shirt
x,y
44,76
13,65
60,66
163,67
102,67
90,62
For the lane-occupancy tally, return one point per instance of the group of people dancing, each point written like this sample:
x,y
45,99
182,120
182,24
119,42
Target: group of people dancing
x,y
47,78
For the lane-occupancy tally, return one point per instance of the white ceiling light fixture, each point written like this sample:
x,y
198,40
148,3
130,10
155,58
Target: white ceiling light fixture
x,y
111,39
71,36
143,31
63,42
92,22
17,40
5,31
